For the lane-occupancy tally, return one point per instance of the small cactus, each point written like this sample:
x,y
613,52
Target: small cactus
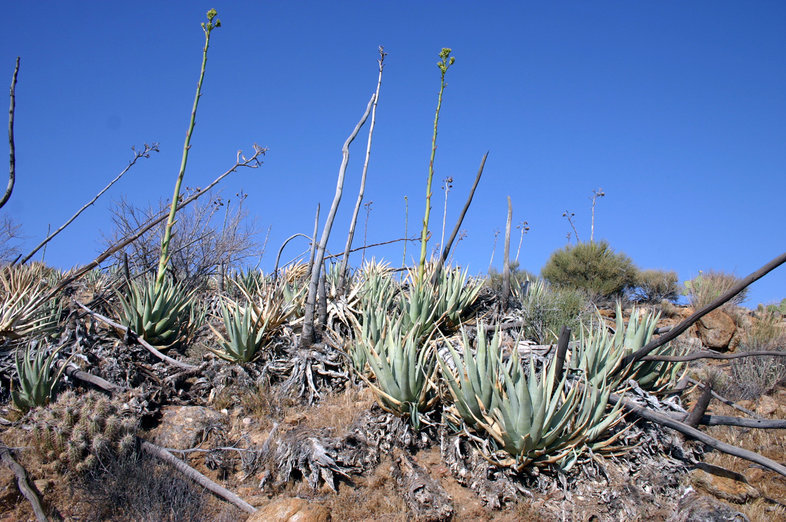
x,y
77,433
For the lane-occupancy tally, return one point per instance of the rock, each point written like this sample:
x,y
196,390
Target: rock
x,y
723,487
290,509
183,427
716,330
697,508
9,492
766,405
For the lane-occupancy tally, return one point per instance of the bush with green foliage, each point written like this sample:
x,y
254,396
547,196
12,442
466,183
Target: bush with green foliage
x,y
592,267
708,286
653,286
546,309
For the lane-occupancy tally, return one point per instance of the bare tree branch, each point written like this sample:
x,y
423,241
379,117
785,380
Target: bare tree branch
x,y
145,153
12,171
695,316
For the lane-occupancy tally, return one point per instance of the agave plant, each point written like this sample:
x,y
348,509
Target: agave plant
x,y
24,308
454,294
38,378
599,353
163,315
404,370
247,330
476,376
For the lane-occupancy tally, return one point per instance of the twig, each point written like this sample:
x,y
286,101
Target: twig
x,y
712,355
27,488
683,428
127,331
191,473
687,323
332,256
145,153
281,250
12,170
729,402
252,162
762,424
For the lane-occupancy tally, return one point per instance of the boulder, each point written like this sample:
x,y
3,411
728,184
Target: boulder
x,y
724,488
290,509
183,427
716,330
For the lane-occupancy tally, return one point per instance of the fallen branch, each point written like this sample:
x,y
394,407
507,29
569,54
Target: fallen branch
x,y
76,373
712,355
27,488
683,428
763,424
191,473
695,316
729,402
133,335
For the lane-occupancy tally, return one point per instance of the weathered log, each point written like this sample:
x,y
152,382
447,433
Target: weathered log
x,y
218,490
424,496
707,354
27,488
696,414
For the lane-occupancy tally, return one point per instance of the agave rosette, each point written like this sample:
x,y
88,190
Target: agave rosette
x,y
24,307
38,378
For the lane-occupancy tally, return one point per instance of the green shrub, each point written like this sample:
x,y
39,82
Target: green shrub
x,y
653,286
708,286
547,309
592,267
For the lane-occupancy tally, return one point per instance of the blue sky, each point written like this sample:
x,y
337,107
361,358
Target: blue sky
x,y
677,110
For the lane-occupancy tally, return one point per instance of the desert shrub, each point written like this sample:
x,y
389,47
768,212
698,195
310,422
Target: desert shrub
x,y
708,286
136,487
206,236
9,239
517,277
547,309
592,267
653,286
752,377
779,308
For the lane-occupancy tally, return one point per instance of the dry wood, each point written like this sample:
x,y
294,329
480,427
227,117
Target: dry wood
x,y
696,414
130,333
763,424
729,402
449,244
695,316
280,250
562,351
27,488
345,261
145,153
241,161
307,336
708,354
506,260
425,497
76,373
683,428
12,161
191,473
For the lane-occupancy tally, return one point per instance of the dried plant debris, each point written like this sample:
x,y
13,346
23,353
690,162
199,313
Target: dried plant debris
x,y
426,499
308,373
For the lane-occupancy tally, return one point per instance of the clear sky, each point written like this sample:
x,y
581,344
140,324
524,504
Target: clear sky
x,y
676,109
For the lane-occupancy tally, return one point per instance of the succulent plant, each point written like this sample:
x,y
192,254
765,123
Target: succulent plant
x,y
404,370
24,309
38,377
164,315
79,432
247,330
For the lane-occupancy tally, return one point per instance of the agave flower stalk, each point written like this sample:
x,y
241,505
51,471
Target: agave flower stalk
x,y
444,63
164,259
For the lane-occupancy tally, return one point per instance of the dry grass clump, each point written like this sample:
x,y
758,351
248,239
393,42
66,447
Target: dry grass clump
x,y
708,286
753,376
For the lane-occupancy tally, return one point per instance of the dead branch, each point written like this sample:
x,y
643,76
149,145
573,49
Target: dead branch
x,y
695,316
145,153
127,331
506,261
12,170
76,373
361,191
697,413
712,355
449,244
762,424
307,337
383,243
665,420
220,491
242,161
27,488
280,250
729,402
